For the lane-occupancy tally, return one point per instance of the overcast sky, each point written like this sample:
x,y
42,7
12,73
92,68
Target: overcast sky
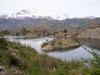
x,y
73,8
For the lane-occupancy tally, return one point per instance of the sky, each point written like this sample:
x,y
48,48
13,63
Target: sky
x,y
72,8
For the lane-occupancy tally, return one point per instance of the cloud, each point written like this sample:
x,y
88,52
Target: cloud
x,y
69,7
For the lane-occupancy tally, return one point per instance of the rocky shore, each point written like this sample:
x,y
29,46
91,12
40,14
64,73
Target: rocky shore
x,y
60,44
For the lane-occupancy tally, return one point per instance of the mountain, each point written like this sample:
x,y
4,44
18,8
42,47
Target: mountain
x,y
28,14
30,19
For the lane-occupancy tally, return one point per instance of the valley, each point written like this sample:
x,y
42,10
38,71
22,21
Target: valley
x,y
32,44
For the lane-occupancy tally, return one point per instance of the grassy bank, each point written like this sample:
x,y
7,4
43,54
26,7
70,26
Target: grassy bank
x,y
16,59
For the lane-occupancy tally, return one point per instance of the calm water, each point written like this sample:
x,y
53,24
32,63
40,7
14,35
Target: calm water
x,y
76,53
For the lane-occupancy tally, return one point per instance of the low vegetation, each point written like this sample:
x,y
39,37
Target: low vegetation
x,y
4,32
16,59
22,60
93,67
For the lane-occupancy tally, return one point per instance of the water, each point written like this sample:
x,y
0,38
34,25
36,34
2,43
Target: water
x,y
76,53
33,42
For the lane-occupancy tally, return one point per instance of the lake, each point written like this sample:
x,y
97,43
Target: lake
x,y
76,53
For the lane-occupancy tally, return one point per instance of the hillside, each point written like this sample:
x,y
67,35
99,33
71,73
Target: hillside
x,y
91,32
16,59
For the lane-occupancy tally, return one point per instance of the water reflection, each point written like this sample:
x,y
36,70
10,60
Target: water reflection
x,y
33,42
92,43
72,54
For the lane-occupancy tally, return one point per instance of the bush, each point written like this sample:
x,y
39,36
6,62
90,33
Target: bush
x,y
5,32
3,43
65,30
24,31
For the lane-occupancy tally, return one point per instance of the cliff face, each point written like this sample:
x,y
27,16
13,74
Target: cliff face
x,y
92,32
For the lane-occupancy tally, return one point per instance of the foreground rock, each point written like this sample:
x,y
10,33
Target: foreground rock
x,y
60,44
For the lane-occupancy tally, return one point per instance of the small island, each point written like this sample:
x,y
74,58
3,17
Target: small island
x,y
60,44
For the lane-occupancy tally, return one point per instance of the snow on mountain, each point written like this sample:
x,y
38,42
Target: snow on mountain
x,y
28,14
57,16
22,14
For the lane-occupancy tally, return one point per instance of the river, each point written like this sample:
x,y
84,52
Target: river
x,y
76,53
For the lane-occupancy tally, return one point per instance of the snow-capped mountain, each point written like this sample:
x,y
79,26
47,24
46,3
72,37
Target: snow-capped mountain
x,y
28,14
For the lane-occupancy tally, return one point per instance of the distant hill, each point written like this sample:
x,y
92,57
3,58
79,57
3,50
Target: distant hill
x,y
27,19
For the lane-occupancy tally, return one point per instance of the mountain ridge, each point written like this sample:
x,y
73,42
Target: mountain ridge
x,y
28,14
17,20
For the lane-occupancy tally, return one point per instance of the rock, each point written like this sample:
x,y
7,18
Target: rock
x,y
47,47
2,71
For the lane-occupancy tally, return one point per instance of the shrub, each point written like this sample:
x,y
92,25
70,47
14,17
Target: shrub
x,y
3,43
5,32
93,67
24,31
65,30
